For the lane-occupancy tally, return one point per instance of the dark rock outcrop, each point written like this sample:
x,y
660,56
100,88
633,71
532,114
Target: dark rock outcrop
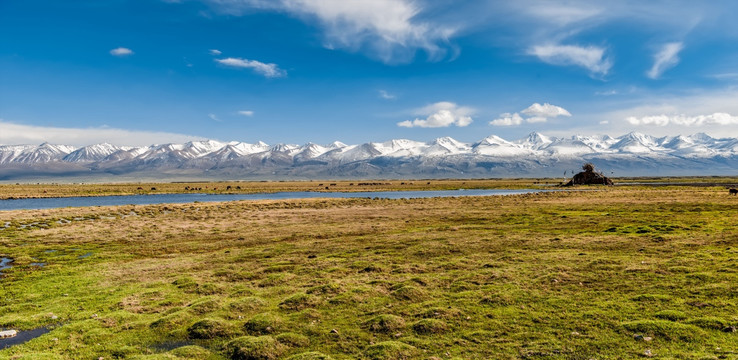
x,y
589,177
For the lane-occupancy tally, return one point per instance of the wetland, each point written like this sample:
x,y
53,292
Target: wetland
x,y
622,272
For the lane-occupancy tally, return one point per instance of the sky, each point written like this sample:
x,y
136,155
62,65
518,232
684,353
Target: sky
x,y
138,72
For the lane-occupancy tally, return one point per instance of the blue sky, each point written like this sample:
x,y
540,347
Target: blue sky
x,y
137,72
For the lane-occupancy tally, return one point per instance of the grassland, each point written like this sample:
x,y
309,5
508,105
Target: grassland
x,y
621,272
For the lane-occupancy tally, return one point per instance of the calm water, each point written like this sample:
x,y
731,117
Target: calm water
x,y
51,203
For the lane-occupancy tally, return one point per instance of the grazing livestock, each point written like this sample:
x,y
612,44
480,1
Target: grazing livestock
x,y
733,191
228,187
153,189
139,188
319,185
238,188
187,187
333,185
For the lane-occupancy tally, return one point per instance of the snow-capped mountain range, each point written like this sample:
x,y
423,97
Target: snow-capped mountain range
x,y
536,155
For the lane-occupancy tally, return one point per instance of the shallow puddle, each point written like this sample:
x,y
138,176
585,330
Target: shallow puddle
x,y
5,264
23,336
86,255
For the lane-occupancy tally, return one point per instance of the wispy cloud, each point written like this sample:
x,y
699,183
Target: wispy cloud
x,y
535,113
591,58
385,95
121,51
441,114
215,52
246,113
214,117
267,70
12,133
667,57
684,120
387,30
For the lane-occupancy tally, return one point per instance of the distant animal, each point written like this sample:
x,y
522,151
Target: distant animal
x,y
238,188
153,189
327,188
333,184
733,191
320,184
187,187
139,188
228,187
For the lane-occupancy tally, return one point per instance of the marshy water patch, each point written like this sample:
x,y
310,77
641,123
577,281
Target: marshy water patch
x,y
23,337
5,264
117,200
85,255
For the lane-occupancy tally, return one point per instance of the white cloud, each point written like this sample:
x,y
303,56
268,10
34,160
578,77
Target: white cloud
x,y
246,113
562,14
214,117
606,93
386,29
441,114
268,70
385,95
12,133
666,58
535,113
590,57
121,51
215,52
545,111
684,120
507,119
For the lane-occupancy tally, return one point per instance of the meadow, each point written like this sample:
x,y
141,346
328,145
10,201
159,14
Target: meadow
x,y
594,273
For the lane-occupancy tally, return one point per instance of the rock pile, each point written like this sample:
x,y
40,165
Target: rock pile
x,y
589,177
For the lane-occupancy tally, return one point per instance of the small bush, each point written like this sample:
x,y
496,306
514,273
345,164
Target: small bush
x,y
672,315
385,323
246,304
331,288
429,326
192,352
408,292
264,323
665,329
187,284
208,289
297,301
292,339
390,350
254,348
312,355
651,297
709,322
207,329
205,306
171,321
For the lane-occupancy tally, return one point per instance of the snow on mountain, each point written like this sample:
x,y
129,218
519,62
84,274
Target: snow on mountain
x,y
92,153
534,141
535,154
494,145
43,153
446,146
636,143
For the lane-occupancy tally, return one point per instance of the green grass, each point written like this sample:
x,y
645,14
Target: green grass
x,y
573,275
